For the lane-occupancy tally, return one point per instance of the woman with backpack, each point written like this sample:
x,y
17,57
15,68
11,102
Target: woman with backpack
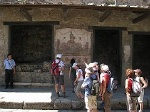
x,y
131,100
144,84
104,82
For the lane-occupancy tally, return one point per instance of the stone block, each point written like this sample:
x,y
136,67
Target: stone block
x,y
38,105
118,103
77,105
26,77
11,105
62,104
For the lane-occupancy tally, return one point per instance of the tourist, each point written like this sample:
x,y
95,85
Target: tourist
x,y
10,70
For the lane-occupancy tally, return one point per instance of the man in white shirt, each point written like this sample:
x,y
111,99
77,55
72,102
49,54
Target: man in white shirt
x,y
59,78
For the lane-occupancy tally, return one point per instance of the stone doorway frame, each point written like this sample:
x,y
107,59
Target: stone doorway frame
x,y
120,29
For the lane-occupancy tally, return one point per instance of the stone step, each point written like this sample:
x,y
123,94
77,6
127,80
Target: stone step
x,y
44,98
33,84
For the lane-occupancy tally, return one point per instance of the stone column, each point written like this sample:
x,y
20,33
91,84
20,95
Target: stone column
x,y
126,54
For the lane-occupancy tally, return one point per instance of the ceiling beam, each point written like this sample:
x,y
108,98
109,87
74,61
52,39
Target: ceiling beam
x,y
24,11
141,17
105,15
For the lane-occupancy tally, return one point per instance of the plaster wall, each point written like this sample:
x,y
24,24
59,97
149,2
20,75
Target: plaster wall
x,y
76,23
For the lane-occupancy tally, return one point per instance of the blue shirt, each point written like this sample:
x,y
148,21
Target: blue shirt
x,y
87,84
9,64
94,76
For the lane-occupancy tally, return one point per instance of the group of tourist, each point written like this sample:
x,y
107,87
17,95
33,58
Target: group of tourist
x,y
83,80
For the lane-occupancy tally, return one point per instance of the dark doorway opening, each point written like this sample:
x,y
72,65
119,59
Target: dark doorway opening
x,y
107,45
141,53
31,43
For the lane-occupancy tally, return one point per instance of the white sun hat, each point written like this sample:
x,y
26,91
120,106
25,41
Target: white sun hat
x,y
105,68
91,65
58,55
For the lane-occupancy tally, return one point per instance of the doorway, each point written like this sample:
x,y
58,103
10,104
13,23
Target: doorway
x,y
31,43
141,53
107,50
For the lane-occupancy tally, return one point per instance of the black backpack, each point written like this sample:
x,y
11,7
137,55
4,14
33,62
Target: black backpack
x,y
95,87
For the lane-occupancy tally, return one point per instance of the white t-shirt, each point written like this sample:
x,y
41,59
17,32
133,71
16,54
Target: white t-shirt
x,y
81,76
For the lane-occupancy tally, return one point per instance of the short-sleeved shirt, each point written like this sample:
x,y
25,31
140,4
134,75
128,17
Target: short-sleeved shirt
x,y
61,64
81,76
87,84
94,76
9,64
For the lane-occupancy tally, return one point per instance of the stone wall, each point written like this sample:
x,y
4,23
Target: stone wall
x,y
79,21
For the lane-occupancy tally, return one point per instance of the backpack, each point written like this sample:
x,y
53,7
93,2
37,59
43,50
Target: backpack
x,y
83,72
136,87
112,85
95,87
55,68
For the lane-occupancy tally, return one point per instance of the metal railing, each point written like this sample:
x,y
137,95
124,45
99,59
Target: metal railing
x,y
135,3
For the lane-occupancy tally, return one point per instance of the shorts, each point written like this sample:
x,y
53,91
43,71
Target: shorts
x,y
90,102
140,98
59,79
78,87
132,103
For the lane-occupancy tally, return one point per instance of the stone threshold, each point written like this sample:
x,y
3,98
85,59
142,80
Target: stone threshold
x,y
33,84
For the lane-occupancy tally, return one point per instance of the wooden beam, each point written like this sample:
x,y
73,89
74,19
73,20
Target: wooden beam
x,y
105,15
32,23
140,18
24,11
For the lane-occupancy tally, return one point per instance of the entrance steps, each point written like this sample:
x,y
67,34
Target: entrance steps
x,y
44,98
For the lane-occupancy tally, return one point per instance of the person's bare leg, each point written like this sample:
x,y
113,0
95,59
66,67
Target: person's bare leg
x,y
141,106
57,89
63,90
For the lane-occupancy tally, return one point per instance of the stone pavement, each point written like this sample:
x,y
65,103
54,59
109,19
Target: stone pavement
x,y
44,98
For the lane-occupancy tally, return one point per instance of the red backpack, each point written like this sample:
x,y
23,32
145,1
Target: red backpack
x,y
55,68
129,85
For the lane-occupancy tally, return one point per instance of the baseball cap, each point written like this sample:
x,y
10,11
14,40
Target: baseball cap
x,y
74,65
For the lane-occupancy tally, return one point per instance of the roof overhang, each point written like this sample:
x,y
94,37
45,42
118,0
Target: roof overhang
x,y
92,7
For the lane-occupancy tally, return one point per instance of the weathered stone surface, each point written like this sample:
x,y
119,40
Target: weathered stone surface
x,y
77,104
62,104
119,104
38,105
75,19
12,105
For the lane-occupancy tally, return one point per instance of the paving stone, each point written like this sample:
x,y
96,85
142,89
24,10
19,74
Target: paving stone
x,y
11,105
38,105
